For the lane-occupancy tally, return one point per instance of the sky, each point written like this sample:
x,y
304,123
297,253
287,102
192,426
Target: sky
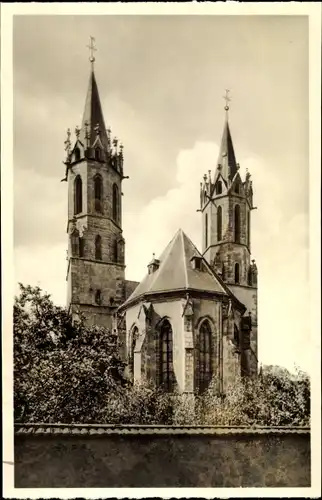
x,y
161,81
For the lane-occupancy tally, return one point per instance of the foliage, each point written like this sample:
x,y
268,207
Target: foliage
x,y
63,371
275,398
68,372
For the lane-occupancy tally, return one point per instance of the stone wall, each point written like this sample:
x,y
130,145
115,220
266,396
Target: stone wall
x,y
60,456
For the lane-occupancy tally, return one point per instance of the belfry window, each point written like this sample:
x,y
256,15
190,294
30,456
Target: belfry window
x,y
98,247
219,187
98,192
97,154
115,203
77,154
219,223
237,223
237,273
166,357
78,195
204,356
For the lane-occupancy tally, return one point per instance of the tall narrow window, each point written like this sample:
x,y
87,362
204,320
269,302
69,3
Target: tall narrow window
x,y
204,353
98,297
219,187
98,247
77,154
248,228
237,276
237,188
206,230
166,361
132,342
78,195
98,192
219,223
237,223
81,247
115,203
236,335
97,154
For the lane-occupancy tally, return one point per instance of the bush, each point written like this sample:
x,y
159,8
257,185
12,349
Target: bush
x,y
67,372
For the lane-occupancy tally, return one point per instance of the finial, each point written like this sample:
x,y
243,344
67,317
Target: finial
x,y
205,177
92,49
219,166
121,149
227,99
238,166
77,131
68,143
115,143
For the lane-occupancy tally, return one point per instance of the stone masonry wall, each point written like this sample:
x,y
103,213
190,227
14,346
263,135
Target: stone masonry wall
x,y
156,457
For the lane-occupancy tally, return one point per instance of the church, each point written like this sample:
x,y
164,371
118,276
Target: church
x,y
192,320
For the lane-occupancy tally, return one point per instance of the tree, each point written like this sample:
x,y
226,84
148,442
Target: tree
x,y
64,371
276,398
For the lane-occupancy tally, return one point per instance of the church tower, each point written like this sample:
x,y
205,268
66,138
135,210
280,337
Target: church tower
x,y
226,204
94,172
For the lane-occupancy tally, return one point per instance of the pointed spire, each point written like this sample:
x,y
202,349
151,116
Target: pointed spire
x,y
93,119
227,159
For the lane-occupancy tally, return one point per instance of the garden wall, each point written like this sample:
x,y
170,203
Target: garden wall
x,y
89,456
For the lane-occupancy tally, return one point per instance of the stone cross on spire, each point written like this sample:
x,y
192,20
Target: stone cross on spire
x,y
92,49
227,99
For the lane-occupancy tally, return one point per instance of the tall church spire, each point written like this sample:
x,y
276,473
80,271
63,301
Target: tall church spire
x,y
226,158
93,124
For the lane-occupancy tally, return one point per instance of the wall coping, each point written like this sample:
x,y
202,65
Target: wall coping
x,y
42,429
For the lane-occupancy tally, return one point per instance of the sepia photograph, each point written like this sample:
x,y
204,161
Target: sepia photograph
x,y
161,293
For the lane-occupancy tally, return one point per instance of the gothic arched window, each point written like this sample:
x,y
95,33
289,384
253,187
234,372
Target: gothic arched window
x,y
98,297
206,230
248,228
98,247
77,154
219,223
204,356
81,247
237,188
236,335
78,195
166,356
219,187
237,276
132,342
98,192
237,223
97,153
116,203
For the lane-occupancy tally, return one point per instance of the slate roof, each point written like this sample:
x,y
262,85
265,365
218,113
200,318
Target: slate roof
x,y
176,272
93,115
128,430
226,156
